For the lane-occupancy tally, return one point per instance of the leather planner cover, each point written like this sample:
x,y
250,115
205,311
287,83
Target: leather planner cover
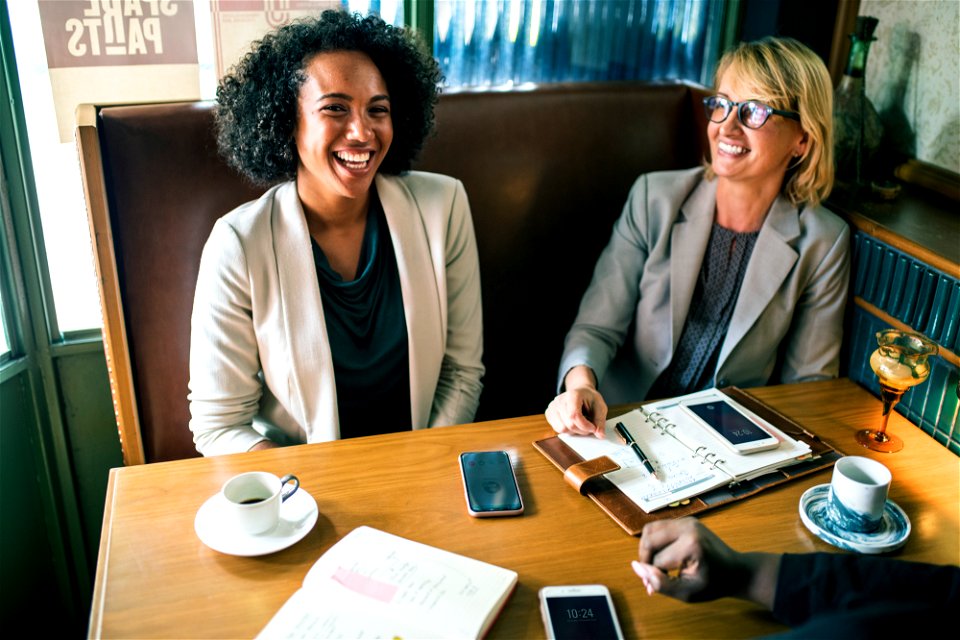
x,y
626,513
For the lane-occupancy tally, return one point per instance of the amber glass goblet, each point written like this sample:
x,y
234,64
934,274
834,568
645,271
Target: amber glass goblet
x,y
900,362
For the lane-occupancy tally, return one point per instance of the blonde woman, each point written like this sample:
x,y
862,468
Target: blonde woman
x,y
731,273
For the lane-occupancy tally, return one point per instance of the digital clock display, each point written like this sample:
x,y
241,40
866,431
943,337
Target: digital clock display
x,y
581,618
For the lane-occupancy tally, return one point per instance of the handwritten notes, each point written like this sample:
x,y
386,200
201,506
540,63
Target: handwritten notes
x,y
372,584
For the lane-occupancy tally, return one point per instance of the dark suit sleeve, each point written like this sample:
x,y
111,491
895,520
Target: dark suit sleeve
x,y
856,595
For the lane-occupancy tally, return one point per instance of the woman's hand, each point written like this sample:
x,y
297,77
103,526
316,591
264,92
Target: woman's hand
x,y
685,560
580,409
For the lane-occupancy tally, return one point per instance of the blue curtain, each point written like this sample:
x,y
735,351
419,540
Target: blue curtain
x,y
508,43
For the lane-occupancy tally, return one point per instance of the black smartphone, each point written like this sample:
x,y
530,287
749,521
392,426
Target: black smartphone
x,y
489,484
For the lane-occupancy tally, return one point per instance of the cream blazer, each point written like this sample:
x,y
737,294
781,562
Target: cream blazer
x,y
787,322
260,362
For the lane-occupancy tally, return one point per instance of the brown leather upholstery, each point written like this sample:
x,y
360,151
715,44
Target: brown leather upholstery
x,y
165,186
547,172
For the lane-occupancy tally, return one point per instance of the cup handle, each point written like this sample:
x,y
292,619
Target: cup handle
x,y
289,491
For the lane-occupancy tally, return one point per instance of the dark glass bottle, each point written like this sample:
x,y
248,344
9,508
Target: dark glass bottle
x,y
857,128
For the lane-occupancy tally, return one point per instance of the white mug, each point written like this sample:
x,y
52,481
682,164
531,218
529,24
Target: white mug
x,y
858,493
253,499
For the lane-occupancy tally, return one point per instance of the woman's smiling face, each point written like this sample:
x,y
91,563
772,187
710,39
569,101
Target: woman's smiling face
x,y
344,126
752,155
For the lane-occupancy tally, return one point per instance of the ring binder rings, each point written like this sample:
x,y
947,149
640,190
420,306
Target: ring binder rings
x,y
688,488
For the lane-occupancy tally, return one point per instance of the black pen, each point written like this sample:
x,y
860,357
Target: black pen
x,y
628,439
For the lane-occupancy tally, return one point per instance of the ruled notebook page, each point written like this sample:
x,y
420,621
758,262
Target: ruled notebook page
x,y
372,584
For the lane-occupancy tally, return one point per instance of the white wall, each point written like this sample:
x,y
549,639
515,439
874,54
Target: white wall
x,y
924,34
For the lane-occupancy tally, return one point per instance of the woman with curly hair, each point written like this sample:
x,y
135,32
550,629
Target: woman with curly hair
x,y
346,300
728,274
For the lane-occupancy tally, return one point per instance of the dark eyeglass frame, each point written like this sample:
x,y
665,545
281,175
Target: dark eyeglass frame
x,y
712,103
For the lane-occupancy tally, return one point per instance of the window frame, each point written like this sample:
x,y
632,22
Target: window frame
x,y
26,285
32,332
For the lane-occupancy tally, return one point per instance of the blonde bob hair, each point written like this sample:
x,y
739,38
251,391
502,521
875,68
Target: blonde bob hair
x,y
786,74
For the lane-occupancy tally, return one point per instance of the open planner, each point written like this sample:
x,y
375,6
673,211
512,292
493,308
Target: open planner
x,y
694,470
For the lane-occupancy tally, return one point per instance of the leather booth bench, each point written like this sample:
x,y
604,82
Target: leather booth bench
x,y
547,172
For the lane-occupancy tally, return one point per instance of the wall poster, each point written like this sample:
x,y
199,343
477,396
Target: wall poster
x,y
238,23
117,51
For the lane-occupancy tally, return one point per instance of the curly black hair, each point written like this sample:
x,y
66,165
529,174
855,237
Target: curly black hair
x,y
257,101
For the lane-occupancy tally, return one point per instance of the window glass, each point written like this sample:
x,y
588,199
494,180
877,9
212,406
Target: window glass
x,y
4,343
57,179
5,278
509,43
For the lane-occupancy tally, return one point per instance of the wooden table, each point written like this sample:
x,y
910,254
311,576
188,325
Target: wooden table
x,y
156,579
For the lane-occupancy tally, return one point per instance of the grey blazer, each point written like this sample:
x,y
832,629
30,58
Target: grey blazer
x,y
788,320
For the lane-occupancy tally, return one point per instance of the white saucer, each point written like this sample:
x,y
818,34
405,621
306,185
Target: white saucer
x,y
297,517
893,531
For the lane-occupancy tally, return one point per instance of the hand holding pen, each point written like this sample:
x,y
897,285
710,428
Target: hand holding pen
x,y
628,440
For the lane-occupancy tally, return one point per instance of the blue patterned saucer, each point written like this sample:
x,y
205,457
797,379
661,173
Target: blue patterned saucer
x,y
893,531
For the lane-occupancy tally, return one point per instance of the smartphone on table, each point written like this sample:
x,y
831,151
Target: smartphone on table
x,y
490,484
579,612
734,429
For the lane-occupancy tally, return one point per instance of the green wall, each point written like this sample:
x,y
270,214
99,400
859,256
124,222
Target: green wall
x,y
26,548
41,578
92,434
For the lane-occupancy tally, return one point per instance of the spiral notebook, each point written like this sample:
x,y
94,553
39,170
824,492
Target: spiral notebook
x,y
694,470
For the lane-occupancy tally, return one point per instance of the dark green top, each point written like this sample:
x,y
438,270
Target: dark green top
x,y
367,330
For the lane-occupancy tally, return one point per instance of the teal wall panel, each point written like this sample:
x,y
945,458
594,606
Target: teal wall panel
x,y
909,290
92,433
29,581
928,301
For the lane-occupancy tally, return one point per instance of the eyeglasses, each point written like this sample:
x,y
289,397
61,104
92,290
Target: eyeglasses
x,y
750,113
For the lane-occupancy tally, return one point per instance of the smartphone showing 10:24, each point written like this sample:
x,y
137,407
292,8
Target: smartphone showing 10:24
x,y
574,612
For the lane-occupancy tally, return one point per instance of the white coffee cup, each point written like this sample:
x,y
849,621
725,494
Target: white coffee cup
x,y
858,493
253,499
